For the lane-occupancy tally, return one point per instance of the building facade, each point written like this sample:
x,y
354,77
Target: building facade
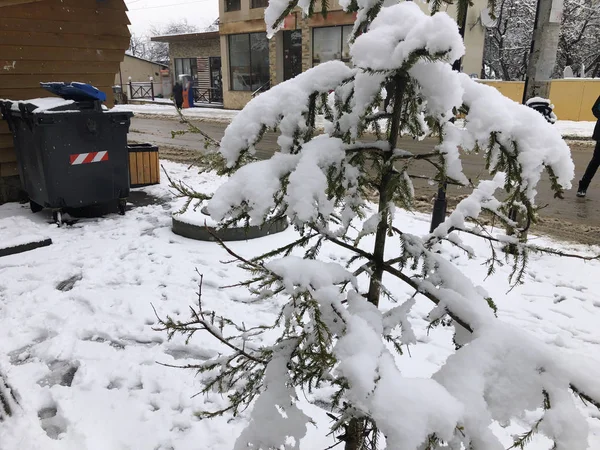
x,y
252,63
199,56
140,70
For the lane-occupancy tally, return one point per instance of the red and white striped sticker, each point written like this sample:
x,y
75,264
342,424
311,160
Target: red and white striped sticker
x,y
87,158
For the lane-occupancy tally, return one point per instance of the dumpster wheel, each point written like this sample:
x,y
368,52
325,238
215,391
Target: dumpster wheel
x,y
122,205
35,207
57,217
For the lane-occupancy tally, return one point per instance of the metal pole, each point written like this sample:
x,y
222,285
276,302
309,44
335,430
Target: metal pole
x,y
440,206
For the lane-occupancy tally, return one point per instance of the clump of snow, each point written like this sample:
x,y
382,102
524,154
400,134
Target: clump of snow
x,y
274,11
308,274
255,185
508,371
538,143
406,410
307,189
277,405
472,206
522,131
442,96
42,104
401,29
366,87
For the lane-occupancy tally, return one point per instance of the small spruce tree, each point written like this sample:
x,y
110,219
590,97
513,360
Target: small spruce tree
x,y
331,333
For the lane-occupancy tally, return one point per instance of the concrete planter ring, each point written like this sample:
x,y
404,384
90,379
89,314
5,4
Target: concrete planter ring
x,y
198,225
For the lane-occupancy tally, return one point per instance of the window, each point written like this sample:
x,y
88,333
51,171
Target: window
x,y
259,3
292,53
186,66
331,43
233,5
248,61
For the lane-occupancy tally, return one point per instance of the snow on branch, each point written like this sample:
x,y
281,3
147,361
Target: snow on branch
x,y
407,410
401,30
521,132
257,188
286,106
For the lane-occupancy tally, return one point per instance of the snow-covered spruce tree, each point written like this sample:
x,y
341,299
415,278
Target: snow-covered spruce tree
x,y
330,333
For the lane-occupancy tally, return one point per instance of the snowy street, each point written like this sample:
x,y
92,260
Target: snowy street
x,y
78,345
571,218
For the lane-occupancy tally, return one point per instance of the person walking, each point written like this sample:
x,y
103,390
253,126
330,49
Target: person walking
x,y
595,162
178,95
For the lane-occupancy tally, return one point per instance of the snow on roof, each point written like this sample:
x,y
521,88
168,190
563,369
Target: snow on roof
x,y
186,36
147,60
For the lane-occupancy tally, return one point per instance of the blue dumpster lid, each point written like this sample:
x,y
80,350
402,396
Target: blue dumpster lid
x,y
75,91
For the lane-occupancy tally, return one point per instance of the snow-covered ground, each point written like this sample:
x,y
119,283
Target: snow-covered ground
x,y
567,128
576,129
85,360
213,114
157,100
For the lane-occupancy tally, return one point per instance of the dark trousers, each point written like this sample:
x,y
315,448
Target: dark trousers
x,y
179,104
591,169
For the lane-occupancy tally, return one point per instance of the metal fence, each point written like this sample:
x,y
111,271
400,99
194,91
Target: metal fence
x,y
141,90
208,95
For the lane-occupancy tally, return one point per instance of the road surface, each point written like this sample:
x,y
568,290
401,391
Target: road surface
x,y
571,218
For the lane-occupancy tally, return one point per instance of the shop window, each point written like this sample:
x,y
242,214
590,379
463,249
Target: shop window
x,y
331,43
186,66
248,61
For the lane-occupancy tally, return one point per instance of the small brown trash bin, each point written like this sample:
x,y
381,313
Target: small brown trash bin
x,y
144,169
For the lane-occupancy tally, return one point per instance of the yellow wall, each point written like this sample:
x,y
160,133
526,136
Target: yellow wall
x,y
510,89
576,98
572,98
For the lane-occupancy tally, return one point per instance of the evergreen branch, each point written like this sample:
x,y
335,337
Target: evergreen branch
x,y
585,397
188,328
529,247
526,438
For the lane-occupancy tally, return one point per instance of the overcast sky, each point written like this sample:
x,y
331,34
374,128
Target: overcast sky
x,y
144,13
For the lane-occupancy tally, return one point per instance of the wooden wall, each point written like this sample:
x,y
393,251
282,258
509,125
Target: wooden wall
x,y
57,40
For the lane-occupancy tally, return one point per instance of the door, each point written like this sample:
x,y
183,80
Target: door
x,y
292,53
216,80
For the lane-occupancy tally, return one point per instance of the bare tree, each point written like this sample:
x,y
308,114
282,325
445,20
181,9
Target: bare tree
x,y
159,51
579,44
507,43
138,46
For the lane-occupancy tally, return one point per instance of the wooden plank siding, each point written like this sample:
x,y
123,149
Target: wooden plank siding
x,y
57,40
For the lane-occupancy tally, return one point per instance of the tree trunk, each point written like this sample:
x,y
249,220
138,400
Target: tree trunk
x,y
384,195
355,432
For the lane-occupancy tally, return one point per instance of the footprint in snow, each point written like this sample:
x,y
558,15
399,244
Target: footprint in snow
x,y
52,423
61,373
